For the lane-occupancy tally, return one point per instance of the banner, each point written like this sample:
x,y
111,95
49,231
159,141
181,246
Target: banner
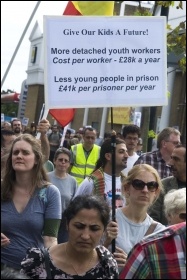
x,y
122,115
105,61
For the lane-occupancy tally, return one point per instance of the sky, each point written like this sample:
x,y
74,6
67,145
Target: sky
x,y
14,18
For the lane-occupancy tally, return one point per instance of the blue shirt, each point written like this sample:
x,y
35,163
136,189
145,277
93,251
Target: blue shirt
x,y
25,229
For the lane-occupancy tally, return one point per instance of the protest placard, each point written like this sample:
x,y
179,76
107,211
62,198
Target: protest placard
x,y
105,61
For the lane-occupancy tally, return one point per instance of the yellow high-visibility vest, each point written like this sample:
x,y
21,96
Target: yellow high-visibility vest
x,y
82,166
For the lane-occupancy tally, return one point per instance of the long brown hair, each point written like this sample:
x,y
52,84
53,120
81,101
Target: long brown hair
x,y
39,178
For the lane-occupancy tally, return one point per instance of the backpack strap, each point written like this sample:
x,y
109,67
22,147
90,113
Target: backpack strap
x,y
151,228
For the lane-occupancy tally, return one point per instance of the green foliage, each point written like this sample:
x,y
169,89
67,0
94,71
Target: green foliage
x,y
176,38
169,3
182,64
9,108
168,94
176,43
142,12
166,3
151,134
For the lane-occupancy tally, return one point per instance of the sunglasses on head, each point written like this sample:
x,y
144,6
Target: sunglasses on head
x,y
139,185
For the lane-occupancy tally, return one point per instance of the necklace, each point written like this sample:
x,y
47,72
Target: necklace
x,y
73,265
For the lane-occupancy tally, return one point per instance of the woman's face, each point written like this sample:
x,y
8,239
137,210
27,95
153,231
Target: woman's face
x,y
85,230
62,163
143,197
23,157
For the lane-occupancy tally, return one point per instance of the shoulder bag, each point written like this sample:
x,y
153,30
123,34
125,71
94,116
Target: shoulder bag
x,y
151,228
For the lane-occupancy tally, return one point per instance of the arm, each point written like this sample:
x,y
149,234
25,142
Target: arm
x,y
43,128
50,232
49,241
53,215
45,147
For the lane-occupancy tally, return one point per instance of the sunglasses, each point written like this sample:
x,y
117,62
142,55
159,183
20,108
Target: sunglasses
x,y
139,185
182,216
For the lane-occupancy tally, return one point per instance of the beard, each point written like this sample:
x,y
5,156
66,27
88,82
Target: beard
x,y
17,130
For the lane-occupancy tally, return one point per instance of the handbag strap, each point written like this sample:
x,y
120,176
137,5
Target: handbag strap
x,y
151,228
47,264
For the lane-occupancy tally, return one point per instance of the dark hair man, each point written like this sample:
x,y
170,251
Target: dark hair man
x,y
177,181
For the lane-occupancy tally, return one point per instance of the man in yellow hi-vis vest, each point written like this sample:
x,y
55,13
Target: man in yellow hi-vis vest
x,y
84,155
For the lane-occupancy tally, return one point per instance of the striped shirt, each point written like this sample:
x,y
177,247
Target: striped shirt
x,y
161,255
155,159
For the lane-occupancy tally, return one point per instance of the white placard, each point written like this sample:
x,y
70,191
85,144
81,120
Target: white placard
x,y
137,118
25,121
105,61
2,117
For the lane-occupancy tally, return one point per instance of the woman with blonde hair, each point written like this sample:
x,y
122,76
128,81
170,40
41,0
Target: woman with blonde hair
x,y
30,204
141,188
175,206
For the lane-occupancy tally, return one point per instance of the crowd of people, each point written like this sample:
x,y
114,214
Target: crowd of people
x,y
61,219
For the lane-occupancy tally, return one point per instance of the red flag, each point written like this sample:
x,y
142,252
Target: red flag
x,y
70,10
63,116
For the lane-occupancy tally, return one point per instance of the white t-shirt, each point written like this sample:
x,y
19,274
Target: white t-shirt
x,y
86,187
130,233
130,162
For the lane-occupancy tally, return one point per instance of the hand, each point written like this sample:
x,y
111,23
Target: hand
x,y
43,126
112,230
120,256
4,240
111,233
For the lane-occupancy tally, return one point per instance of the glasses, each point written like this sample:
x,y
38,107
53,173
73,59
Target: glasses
x,y
175,143
139,185
182,216
63,160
